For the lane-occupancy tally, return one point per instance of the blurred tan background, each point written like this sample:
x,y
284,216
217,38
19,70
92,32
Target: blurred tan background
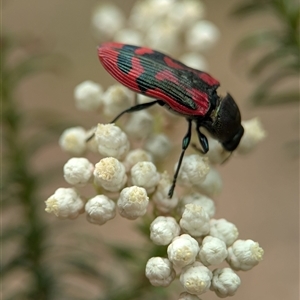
x,y
261,190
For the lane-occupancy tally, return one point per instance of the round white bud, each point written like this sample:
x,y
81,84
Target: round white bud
x,y
162,35
244,255
73,140
133,202
186,12
110,174
129,36
216,154
144,174
213,251
253,134
139,125
196,278
207,203
225,282
65,203
202,36
158,145
135,156
195,220
100,209
194,169
112,141
188,296
212,183
223,230
88,95
116,99
163,230
183,250
159,271
107,19
161,198
78,171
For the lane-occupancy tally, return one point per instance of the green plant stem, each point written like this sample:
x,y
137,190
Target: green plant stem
x,y
20,187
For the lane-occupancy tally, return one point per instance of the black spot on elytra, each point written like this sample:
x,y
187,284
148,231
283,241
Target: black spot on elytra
x,y
124,60
145,81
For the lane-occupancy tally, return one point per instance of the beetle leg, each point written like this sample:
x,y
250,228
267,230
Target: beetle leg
x,y
202,140
130,110
185,143
135,108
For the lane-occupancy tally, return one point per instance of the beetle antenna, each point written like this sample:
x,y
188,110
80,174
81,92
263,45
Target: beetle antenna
x,y
185,143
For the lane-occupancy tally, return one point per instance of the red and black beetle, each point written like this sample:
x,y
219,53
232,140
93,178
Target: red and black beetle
x,y
179,88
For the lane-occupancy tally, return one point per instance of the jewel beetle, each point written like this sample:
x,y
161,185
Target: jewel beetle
x,y
183,90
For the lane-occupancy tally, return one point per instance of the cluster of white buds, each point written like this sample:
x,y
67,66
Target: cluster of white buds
x,y
129,177
127,182
162,25
204,243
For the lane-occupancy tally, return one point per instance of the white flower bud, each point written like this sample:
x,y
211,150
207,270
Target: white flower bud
x,y
110,174
129,36
73,140
144,174
196,278
163,230
159,146
135,156
112,141
187,12
223,230
202,36
133,202
212,183
100,209
204,201
88,95
162,6
159,271
107,19
253,134
194,169
195,61
212,251
216,154
65,203
139,125
183,250
188,296
244,255
116,99
195,220
161,198
162,35
78,171
141,16
225,282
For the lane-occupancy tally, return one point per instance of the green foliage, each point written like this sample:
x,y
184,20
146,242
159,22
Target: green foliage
x,y
276,69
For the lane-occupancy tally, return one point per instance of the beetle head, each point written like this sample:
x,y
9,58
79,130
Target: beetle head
x,y
226,123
